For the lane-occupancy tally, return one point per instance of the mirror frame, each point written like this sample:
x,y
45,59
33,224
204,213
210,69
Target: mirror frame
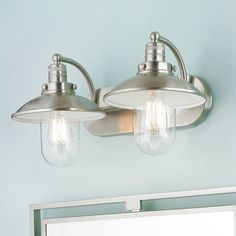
x,y
132,205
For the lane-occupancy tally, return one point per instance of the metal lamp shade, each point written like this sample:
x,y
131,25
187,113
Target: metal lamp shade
x,y
73,107
172,91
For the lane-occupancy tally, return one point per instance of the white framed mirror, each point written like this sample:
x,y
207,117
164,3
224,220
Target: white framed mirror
x,y
206,212
211,221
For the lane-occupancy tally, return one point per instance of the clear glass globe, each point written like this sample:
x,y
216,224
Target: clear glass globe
x,y
154,126
60,144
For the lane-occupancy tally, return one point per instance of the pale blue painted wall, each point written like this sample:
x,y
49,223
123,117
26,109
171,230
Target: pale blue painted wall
x,y
108,38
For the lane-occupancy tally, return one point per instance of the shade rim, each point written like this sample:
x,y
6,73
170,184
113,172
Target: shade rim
x,y
106,97
38,109
19,116
164,83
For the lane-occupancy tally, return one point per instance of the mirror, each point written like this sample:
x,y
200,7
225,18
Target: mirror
x,y
211,221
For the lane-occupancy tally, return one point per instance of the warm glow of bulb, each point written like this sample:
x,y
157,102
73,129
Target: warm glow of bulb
x,y
59,131
154,125
155,116
60,140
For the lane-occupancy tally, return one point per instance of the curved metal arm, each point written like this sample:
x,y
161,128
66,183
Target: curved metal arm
x,y
92,90
157,37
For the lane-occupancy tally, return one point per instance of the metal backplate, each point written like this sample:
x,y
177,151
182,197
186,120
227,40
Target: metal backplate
x,y
120,121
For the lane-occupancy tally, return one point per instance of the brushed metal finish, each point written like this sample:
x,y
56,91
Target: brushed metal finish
x,y
155,51
189,95
175,92
84,72
116,122
120,121
59,95
156,74
74,108
57,73
179,59
193,96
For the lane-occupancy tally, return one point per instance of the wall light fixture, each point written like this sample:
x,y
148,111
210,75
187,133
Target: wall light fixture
x,y
150,105
59,111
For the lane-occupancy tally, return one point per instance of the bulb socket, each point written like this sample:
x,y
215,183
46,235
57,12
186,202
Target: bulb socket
x,y
57,80
155,52
155,57
57,73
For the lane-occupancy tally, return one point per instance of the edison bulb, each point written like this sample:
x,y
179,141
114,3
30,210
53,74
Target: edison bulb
x,y
154,125
60,140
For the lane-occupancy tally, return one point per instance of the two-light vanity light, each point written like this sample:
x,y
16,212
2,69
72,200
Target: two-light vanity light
x,y
150,105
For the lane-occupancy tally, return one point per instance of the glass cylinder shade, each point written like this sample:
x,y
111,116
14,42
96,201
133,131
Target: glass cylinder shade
x,y
60,137
154,125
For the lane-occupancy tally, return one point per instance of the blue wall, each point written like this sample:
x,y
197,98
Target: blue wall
x,y
108,38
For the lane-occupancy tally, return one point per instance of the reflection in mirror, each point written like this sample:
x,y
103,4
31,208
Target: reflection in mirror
x,y
194,222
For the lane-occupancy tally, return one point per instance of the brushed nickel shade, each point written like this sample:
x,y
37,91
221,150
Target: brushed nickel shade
x,y
188,94
156,74
59,96
171,90
73,107
59,111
